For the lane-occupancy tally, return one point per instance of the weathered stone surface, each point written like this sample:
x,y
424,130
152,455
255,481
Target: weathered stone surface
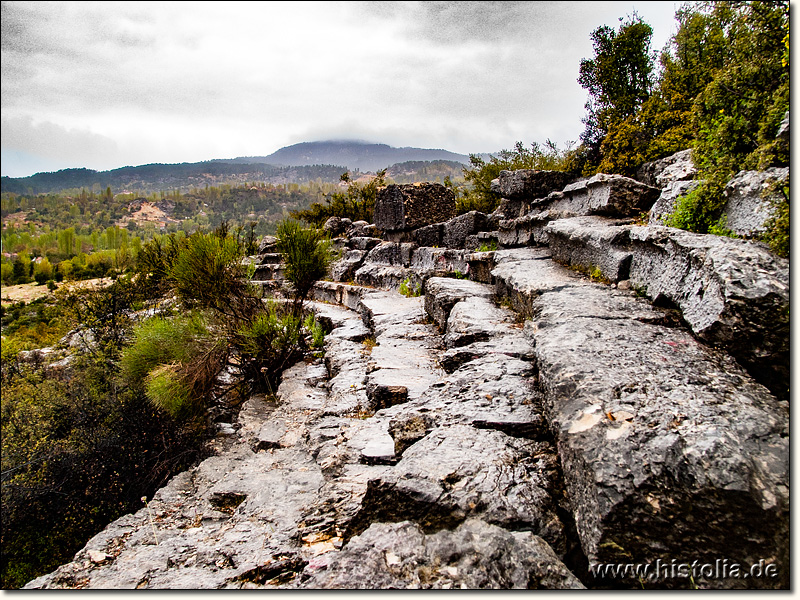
x,y
528,184
522,275
269,272
475,319
339,293
383,276
410,206
668,200
607,195
591,244
458,472
268,245
409,428
528,230
362,229
457,229
665,171
733,294
429,236
363,243
752,198
439,261
402,365
668,448
335,227
392,253
476,555
345,268
442,293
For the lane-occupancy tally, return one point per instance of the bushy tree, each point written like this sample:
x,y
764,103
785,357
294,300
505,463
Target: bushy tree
x,y
619,80
478,194
356,204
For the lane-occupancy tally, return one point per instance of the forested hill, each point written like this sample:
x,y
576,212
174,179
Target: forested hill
x,y
354,155
158,177
300,163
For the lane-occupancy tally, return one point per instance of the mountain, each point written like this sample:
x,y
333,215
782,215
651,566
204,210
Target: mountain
x,y
353,154
299,163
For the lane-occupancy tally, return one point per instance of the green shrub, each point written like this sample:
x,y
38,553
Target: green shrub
x,y
777,235
308,254
700,210
208,273
167,390
267,344
357,204
316,330
176,360
408,290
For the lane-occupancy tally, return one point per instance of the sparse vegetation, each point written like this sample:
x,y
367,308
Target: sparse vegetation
x,y
408,289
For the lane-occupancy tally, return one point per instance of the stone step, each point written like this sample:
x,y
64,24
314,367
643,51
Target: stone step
x,y
668,448
733,293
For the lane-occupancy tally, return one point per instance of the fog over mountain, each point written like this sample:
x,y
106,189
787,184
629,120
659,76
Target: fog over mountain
x,y
353,154
298,163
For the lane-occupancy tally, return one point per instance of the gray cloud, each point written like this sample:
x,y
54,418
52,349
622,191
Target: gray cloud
x,y
171,82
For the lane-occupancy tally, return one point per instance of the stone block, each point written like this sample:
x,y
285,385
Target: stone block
x,y
667,446
591,244
529,184
606,195
457,229
733,293
411,206
752,198
430,235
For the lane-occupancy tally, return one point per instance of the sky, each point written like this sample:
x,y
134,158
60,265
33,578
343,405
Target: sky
x,y
110,84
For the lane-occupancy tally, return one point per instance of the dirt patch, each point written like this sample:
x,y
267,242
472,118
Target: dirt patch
x,y
28,292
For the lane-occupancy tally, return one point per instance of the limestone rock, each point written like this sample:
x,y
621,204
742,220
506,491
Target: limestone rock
x,y
667,447
592,244
608,195
457,229
458,472
665,171
520,187
268,244
476,555
733,293
442,293
752,198
410,206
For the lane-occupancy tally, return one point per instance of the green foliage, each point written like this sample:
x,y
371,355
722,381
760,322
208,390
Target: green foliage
x,y
308,254
778,226
208,273
316,330
408,290
160,340
700,210
77,452
479,196
356,204
168,391
619,80
737,115
268,343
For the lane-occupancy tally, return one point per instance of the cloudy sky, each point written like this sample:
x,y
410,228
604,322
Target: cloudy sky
x,y
108,84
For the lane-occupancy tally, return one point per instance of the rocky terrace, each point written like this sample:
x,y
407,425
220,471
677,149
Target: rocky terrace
x,y
592,391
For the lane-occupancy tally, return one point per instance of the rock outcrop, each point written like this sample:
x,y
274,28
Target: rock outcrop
x,y
401,208
592,392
